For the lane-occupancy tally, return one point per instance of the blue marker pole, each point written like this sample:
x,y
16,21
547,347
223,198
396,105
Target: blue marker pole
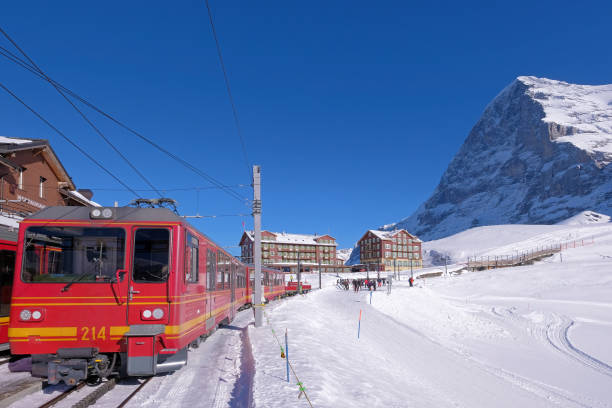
x,y
370,297
359,325
287,353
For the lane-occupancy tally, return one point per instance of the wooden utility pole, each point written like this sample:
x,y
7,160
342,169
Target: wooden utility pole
x,y
257,245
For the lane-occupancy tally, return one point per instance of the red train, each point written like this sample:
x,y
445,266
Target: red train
x,y
106,290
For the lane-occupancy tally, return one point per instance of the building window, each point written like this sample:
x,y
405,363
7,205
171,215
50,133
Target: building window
x,y
20,179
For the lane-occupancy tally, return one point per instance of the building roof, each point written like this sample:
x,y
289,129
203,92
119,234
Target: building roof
x,y
13,144
284,238
386,235
75,195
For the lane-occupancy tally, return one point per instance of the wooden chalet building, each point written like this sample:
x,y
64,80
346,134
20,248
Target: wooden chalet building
x,y
284,251
390,250
32,177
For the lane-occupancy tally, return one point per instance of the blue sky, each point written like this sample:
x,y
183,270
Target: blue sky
x,y
353,109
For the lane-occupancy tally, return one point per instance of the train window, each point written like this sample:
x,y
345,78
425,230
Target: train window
x,y
70,254
191,259
151,255
7,267
228,270
211,269
220,267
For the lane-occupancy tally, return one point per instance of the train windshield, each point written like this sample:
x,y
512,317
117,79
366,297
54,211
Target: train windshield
x,y
72,254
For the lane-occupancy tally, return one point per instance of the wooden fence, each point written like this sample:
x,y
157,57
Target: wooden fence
x,y
522,258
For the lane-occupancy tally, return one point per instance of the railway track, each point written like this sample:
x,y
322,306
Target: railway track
x,y
94,395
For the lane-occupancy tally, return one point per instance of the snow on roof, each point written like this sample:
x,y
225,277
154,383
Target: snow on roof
x,y
586,109
284,238
10,221
390,234
81,197
13,140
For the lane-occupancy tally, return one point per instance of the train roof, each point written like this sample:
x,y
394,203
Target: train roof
x,y
78,213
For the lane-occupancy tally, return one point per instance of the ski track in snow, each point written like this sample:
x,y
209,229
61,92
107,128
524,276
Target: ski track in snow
x,y
557,335
544,391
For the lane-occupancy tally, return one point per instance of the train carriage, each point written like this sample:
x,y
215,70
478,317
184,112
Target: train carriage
x,y
271,282
117,289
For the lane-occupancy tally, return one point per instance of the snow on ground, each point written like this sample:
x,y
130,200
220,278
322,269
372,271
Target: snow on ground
x,y
533,336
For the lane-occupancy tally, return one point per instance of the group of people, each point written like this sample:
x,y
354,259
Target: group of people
x,y
358,284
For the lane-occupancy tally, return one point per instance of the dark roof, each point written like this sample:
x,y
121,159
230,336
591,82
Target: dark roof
x,y
13,147
122,213
8,234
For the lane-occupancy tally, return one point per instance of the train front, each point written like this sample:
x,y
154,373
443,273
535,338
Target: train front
x,y
91,294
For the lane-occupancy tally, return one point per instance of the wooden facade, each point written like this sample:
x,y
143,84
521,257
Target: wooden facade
x,y
390,250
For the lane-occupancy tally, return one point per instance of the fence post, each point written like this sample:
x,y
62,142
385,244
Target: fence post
x,y
287,353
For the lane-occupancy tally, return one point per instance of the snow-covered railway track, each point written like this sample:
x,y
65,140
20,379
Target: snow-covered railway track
x,y
62,396
91,396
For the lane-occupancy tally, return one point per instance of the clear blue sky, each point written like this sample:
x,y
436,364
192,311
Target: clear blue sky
x,y
353,109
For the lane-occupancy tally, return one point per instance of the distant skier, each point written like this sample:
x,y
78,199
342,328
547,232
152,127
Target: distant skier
x,y
411,281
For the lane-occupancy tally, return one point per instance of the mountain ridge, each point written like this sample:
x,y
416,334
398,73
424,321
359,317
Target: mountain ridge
x,y
538,154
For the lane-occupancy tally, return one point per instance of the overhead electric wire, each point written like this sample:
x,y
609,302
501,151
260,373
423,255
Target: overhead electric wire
x,y
46,122
98,131
227,189
229,91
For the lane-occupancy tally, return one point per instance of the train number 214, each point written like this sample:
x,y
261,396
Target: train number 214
x,y
90,333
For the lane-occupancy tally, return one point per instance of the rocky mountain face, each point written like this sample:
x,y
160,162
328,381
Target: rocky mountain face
x,y
539,154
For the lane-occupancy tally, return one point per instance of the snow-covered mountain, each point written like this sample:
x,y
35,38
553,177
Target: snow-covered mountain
x,y
539,154
344,254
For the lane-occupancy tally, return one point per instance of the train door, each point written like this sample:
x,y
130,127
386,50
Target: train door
x,y
233,292
7,271
148,278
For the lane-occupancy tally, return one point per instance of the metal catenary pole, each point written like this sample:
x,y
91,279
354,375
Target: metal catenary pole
x,y
299,274
257,246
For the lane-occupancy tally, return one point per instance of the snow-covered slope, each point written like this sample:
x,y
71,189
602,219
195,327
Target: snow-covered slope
x,y
586,218
512,239
529,336
539,154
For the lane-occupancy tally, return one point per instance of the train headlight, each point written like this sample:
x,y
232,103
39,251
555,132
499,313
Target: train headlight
x,y
146,314
36,315
158,313
102,213
25,315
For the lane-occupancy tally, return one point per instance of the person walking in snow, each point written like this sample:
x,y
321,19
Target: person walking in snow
x,y
411,281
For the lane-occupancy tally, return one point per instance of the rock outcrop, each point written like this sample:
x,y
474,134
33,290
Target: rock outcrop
x,y
539,154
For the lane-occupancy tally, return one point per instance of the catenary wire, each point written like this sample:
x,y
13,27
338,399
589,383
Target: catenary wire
x,y
94,127
229,91
228,190
59,132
